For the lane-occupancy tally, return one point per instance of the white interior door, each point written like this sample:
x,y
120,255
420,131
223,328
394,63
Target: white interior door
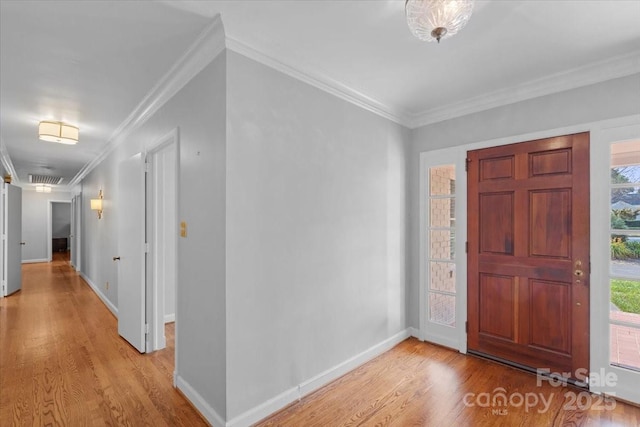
x,y
131,251
12,239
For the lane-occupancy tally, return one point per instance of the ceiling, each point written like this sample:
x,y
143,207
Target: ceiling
x,y
92,63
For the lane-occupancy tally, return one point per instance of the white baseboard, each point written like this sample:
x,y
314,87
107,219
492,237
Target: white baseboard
x,y
168,318
442,340
32,261
112,308
296,393
196,400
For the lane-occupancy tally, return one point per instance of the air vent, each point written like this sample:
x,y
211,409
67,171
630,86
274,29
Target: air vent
x,y
44,179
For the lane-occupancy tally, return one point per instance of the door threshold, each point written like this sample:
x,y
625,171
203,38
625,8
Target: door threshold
x,y
543,374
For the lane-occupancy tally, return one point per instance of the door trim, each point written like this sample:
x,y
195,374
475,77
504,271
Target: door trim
x,y
626,386
50,226
155,312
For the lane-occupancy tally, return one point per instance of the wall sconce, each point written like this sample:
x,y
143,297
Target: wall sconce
x,y
43,188
96,204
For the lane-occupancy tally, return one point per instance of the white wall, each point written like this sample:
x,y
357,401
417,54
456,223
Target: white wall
x,y
35,223
315,232
198,110
607,100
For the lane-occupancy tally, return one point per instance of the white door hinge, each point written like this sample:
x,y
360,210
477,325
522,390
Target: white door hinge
x,y
146,248
146,328
147,167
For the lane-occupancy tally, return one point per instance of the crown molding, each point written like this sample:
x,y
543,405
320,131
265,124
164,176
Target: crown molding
x,y
212,41
208,45
601,71
604,70
7,163
320,81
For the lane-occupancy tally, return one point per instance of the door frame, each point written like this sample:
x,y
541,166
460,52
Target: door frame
x,y
598,130
4,291
626,386
452,337
155,310
77,232
2,237
50,226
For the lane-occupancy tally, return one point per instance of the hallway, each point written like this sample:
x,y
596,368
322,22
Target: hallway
x,y
63,363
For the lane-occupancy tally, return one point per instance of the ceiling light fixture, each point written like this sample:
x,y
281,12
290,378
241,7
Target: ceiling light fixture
x,y
431,20
58,132
43,188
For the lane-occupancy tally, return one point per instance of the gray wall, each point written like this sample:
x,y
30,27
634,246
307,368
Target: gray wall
x,y
35,223
199,111
315,232
60,220
607,100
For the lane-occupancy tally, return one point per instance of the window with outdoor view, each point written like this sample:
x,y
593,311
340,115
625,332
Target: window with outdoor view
x,y
624,307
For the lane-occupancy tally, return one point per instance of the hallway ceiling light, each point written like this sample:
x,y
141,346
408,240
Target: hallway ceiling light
x,y
58,132
431,20
43,188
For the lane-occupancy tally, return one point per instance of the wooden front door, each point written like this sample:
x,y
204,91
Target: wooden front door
x,y
528,253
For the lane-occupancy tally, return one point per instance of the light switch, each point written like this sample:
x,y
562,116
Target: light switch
x,y
183,229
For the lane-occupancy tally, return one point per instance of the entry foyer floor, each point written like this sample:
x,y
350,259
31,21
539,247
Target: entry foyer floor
x,y
63,363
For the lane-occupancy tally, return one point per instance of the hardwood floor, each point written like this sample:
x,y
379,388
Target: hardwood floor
x,y
63,363
420,384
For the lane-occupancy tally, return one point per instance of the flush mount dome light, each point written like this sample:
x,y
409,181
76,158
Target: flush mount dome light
x,y
59,132
431,20
43,188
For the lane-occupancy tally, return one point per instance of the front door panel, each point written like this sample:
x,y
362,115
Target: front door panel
x,y
528,259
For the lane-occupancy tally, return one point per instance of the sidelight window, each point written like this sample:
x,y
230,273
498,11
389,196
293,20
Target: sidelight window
x,y
441,294
624,279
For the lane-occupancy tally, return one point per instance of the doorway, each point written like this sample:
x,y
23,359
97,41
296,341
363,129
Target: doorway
x,y
59,232
528,254
162,214
147,245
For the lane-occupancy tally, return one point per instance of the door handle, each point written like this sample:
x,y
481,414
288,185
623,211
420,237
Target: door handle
x,y
23,243
116,258
578,271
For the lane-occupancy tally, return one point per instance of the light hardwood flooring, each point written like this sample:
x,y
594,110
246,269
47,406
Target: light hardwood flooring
x,y
63,363
420,384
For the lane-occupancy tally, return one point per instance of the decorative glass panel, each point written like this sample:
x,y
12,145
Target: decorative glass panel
x,y
442,243
442,180
442,212
443,276
442,309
